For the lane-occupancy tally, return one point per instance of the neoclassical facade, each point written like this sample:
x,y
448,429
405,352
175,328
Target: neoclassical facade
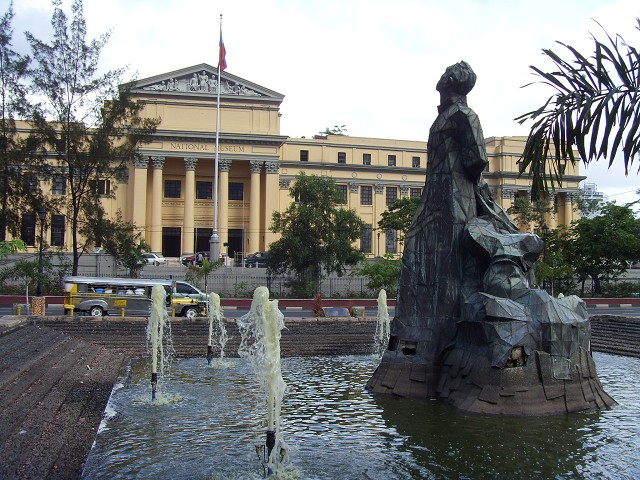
x,y
169,193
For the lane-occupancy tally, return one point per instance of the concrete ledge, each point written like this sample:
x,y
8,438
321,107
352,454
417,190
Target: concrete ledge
x,y
9,323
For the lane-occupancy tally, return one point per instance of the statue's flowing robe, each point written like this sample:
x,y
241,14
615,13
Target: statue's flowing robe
x,y
433,283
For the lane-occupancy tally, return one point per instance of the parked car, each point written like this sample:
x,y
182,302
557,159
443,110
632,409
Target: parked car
x,y
195,259
257,260
154,259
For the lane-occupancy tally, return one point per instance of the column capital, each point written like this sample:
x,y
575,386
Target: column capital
x,y
379,188
224,165
255,166
157,162
272,167
354,187
141,162
190,163
508,193
285,184
404,190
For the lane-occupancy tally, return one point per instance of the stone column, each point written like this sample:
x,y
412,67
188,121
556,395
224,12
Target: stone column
x,y
379,205
139,214
508,195
254,207
189,205
271,200
223,203
156,204
568,207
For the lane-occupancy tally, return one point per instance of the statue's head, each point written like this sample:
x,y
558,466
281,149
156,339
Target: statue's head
x,y
457,79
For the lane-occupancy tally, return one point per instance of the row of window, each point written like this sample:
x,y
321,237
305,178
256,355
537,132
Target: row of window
x,y
204,190
59,185
366,194
366,159
58,231
28,230
390,240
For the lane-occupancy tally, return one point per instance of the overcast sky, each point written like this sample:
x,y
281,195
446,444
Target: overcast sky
x,y
368,64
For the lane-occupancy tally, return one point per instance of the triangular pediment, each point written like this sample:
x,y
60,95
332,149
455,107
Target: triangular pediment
x,y
202,80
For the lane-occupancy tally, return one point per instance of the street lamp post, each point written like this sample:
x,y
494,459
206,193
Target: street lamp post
x,y
42,214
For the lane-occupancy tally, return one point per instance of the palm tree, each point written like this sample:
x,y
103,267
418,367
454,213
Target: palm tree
x,y
596,110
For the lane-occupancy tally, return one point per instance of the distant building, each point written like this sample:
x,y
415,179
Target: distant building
x,y
168,194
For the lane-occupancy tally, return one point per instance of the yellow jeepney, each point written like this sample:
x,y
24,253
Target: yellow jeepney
x,y
99,296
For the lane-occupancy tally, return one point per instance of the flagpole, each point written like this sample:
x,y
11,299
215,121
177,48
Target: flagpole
x,y
214,241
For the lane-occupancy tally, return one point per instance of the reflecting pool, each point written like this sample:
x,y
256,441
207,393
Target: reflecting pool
x,y
207,419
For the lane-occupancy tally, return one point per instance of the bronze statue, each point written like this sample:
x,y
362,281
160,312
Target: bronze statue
x,y
468,311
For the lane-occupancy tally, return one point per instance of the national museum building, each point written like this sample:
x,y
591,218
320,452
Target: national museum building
x,y
169,194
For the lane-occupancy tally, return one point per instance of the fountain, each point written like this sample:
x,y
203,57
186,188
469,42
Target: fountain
x,y
336,430
381,337
261,331
155,333
216,324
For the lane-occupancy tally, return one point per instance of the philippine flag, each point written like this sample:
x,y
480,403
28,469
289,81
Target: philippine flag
x,y
222,60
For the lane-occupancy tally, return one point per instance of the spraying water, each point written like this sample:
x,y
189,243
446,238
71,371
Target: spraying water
x,y
381,338
216,323
158,321
261,332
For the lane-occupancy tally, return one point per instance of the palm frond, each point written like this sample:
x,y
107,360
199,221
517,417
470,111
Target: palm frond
x,y
595,110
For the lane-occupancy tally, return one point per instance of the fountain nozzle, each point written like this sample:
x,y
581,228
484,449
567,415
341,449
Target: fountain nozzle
x,y
271,441
209,354
154,383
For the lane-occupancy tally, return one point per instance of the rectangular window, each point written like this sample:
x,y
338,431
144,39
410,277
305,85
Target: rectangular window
x,y
57,230
101,187
204,190
392,195
172,189
236,191
304,155
30,182
391,160
391,241
343,194
342,157
366,195
415,192
366,159
415,162
59,186
28,229
365,240
32,144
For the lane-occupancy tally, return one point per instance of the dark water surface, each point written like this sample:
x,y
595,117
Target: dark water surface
x,y
208,420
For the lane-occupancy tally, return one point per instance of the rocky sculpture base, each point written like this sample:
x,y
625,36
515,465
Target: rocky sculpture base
x,y
536,365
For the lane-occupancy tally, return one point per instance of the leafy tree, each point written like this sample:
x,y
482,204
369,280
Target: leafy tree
x,y
336,130
603,247
316,235
24,273
121,240
596,109
384,273
10,246
199,274
530,215
553,266
17,193
90,129
399,215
